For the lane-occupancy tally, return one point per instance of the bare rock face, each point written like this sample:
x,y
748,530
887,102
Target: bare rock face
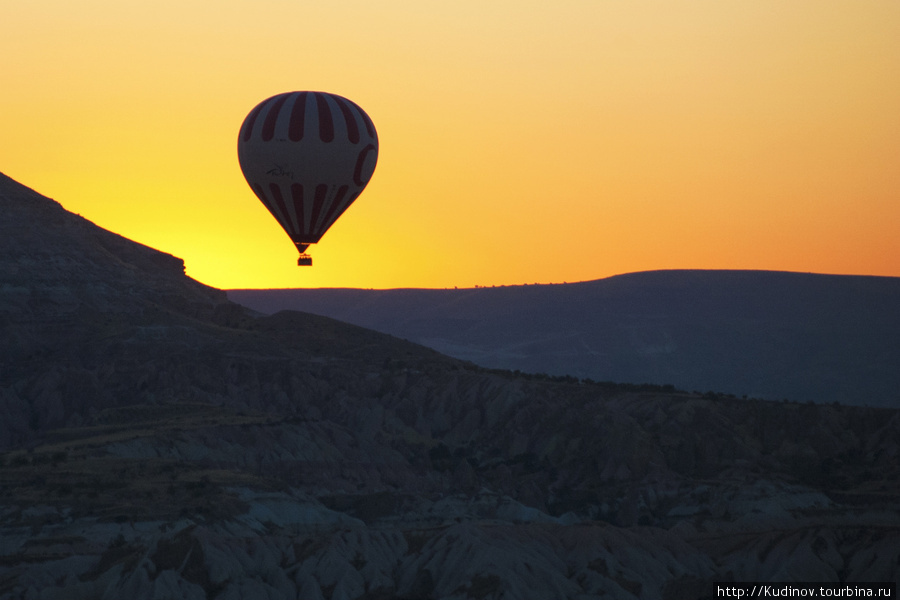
x,y
161,442
75,301
55,263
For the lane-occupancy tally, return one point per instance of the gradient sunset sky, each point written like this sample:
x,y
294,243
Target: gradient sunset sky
x,y
520,142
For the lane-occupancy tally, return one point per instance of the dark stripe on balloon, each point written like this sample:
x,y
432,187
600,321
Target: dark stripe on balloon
x,y
261,194
297,197
370,127
280,217
349,118
341,207
298,118
326,122
282,207
268,131
360,161
333,210
321,191
251,120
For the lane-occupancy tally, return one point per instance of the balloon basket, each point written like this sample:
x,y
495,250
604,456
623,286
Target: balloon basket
x,y
305,260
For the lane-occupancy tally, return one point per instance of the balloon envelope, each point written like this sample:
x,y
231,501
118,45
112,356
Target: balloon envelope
x,y
307,156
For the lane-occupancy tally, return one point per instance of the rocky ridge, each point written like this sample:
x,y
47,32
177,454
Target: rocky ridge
x,y
161,441
773,335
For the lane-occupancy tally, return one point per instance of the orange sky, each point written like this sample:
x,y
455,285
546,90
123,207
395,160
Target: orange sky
x,y
520,142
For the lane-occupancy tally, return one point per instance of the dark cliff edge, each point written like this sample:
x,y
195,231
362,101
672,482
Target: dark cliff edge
x,y
161,441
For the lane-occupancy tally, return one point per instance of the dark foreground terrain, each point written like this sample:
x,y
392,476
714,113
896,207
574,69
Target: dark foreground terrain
x,y
159,441
773,335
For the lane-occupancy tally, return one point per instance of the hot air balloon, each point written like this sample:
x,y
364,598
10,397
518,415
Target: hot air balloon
x,y
307,156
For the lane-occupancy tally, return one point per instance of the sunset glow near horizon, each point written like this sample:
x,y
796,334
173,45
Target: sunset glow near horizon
x,y
520,142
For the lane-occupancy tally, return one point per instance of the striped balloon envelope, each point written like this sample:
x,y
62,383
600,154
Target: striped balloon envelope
x,y
307,156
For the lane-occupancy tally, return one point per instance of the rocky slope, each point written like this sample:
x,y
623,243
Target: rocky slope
x,y
162,442
773,335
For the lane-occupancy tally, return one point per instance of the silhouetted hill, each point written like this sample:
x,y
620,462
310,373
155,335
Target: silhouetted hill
x,y
805,337
95,320
159,441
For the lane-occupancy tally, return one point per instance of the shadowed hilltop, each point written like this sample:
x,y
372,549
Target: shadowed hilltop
x,y
773,335
161,441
